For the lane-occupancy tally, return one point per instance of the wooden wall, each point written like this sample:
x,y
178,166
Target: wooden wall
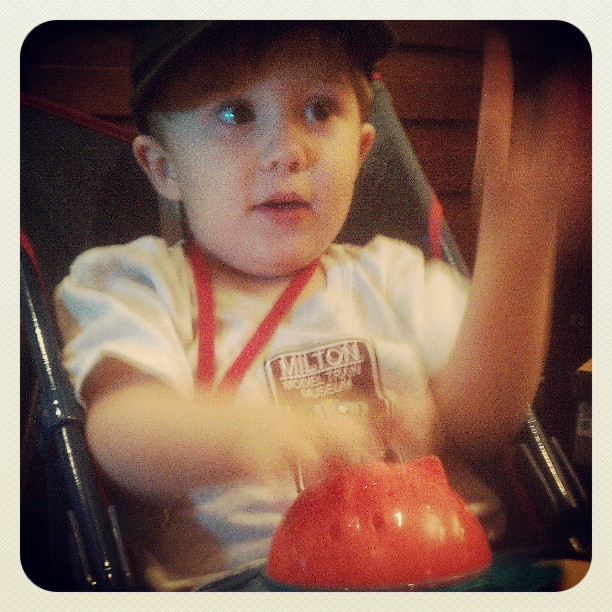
x,y
435,78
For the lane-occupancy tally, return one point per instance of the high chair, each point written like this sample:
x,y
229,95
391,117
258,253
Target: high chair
x,y
81,188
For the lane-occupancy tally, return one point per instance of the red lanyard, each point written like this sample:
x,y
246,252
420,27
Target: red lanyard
x,y
206,314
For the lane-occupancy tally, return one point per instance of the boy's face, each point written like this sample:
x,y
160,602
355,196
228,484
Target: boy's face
x,y
266,169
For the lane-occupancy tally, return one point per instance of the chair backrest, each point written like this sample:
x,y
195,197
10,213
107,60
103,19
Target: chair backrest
x,y
393,196
80,186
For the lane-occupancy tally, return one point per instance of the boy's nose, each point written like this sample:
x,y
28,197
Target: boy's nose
x,y
287,149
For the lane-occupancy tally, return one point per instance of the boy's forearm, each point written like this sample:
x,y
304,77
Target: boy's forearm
x,y
496,364
534,164
154,443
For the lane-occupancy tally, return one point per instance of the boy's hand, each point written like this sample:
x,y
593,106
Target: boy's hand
x,y
534,147
264,444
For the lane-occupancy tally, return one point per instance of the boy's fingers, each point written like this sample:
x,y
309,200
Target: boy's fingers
x,y
551,146
567,130
273,443
348,439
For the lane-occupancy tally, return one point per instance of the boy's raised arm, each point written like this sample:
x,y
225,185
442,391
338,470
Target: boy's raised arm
x,y
533,162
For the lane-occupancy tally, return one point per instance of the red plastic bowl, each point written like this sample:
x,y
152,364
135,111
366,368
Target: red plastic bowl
x,y
380,525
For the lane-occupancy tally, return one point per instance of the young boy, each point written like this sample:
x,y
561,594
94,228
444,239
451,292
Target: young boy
x,y
220,373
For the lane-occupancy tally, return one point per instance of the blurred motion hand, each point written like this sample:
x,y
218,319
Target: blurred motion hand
x,y
533,168
263,443
534,147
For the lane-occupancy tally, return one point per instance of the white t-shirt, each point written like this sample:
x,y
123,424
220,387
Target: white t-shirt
x,y
381,321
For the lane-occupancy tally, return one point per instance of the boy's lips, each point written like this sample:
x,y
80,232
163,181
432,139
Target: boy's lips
x,y
284,208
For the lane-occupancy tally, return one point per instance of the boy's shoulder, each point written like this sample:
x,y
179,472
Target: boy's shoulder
x,y
144,247
380,251
382,262
146,257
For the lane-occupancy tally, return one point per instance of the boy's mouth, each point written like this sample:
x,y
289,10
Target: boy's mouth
x,y
290,201
285,209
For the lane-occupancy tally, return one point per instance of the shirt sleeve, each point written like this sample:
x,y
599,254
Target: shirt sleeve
x,y
132,302
445,298
428,296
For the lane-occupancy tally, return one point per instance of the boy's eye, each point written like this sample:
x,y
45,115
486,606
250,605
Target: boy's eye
x,y
236,113
320,110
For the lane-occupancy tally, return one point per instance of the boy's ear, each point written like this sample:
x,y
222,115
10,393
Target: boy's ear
x,y
367,140
153,158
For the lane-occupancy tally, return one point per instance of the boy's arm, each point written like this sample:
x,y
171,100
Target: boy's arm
x,y
534,162
155,443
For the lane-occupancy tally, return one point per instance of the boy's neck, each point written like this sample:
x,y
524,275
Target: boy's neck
x,y
248,284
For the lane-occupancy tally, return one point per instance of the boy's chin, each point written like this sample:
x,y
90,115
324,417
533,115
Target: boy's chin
x,y
278,260
279,271
264,270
